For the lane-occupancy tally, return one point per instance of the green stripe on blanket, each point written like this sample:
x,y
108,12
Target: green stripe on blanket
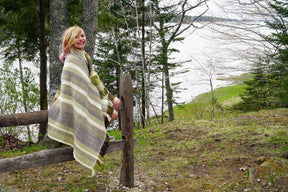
x,y
76,115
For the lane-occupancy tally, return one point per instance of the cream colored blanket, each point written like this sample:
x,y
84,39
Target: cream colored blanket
x,y
75,116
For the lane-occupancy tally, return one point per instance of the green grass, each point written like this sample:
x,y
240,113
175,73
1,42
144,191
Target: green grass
x,y
201,106
241,78
26,150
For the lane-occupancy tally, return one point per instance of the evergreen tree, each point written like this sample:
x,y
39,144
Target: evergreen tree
x,y
117,45
109,58
258,92
19,29
19,33
169,32
269,86
18,92
123,25
279,69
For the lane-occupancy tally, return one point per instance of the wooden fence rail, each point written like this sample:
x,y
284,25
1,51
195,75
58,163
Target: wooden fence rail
x,y
51,156
23,118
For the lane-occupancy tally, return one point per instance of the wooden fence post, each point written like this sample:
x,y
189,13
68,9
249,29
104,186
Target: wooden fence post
x,y
127,124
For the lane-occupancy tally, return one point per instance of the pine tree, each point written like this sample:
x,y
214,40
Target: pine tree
x,y
269,86
279,69
117,45
113,44
19,33
258,92
168,32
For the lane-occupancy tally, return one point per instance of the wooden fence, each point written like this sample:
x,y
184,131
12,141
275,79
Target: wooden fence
x,y
51,156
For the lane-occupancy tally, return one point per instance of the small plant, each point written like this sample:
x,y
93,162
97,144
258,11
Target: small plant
x,y
194,160
49,185
284,149
221,146
48,172
1,141
281,138
271,179
33,148
206,152
247,174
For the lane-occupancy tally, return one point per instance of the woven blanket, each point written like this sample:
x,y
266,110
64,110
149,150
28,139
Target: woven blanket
x,y
75,116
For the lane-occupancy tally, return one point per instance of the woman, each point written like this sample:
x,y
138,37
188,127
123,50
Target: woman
x,y
82,105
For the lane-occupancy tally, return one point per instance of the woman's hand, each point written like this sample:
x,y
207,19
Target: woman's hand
x,y
114,115
116,103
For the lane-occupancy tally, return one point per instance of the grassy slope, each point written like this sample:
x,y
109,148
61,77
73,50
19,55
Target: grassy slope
x,y
234,152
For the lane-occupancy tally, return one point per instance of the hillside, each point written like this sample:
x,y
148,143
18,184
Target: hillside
x,y
234,152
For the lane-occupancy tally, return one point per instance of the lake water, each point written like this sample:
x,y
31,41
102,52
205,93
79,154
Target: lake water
x,y
212,55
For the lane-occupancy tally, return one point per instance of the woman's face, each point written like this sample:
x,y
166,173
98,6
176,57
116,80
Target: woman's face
x,y
80,41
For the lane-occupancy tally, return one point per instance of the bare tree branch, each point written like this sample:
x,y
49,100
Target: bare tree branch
x,y
184,12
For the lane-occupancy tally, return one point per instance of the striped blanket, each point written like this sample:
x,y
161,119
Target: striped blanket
x,y
75,115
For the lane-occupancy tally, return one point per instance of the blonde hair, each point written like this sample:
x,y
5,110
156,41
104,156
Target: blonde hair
x,y
68,40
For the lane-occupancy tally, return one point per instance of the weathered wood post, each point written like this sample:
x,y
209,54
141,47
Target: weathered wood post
x,y
127,169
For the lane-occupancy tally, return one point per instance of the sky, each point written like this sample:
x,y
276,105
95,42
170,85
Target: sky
x,y
215,8
226,8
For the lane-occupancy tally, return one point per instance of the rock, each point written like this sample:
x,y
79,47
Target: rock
x,y
260,160
251,174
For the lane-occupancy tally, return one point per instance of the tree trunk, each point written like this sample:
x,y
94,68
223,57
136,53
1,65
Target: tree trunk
x,y
162,97
149,67
169,93
212,98
58,23
24,94
143,67
164,61
43,68
89,24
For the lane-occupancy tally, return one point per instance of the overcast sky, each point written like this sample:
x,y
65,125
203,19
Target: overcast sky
x,y
215,8
220,8
227,9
